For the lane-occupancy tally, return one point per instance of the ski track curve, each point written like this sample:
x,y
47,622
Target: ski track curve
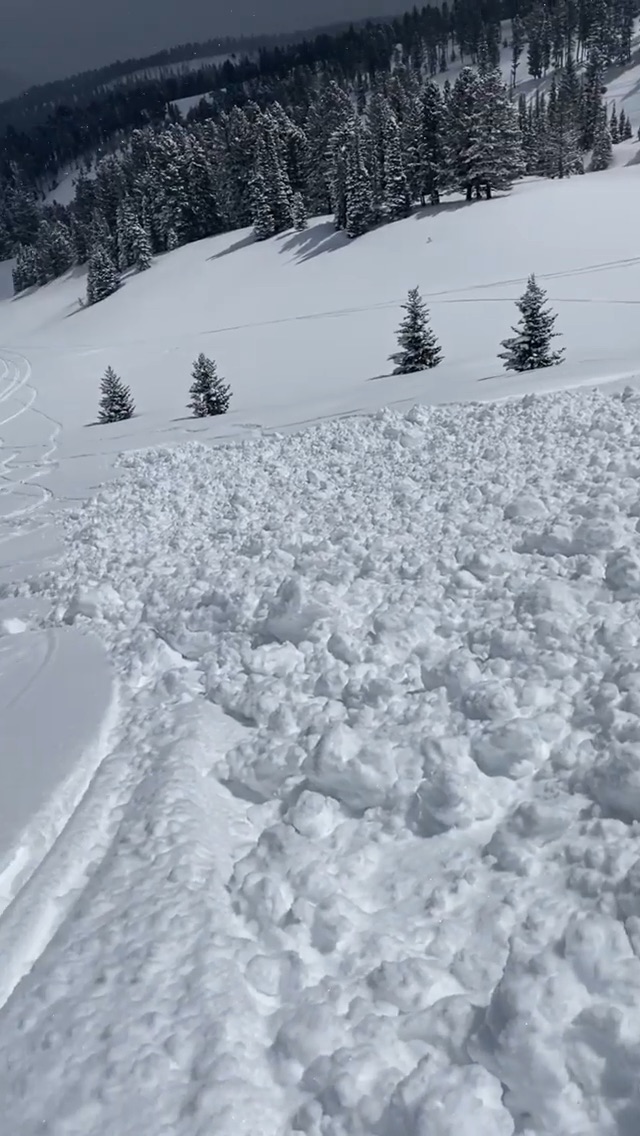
x,y
17,475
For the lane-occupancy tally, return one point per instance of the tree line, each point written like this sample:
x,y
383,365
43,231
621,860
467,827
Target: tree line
x,y
366,154
53,127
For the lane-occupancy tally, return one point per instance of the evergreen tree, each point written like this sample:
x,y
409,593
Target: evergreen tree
x,y
359,205
263,222
419,348
273,167
25,271
602,147
434,158
141,247
60,248
338,149
102,277
396,200
613,126
494,156
569,91
562,153
591,101
461,131
518,36
116,403
299,212
530,347
209,393
627,133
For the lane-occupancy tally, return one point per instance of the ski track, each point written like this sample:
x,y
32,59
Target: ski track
x,y
16,373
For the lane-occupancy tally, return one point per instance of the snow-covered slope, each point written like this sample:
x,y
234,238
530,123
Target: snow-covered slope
x,y
327,819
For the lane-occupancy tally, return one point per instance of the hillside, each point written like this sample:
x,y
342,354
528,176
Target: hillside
x,y
318,779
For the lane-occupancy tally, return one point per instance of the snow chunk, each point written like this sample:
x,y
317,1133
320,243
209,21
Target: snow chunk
x,y
358,771
509,749
453,794
622,573
525,507
448,1101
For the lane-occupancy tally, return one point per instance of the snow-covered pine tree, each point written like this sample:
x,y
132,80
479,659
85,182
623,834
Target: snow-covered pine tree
x,y
494,157
530,347
628,129
60,248
591,101
25,272
102,277
276,176
358,185
518,37
613,126
263,222
562,154
209,393
329,111
299,211
140,247
116,403
461,128
338,151
623,126
124,225
396,199
434,158
419,348
602,155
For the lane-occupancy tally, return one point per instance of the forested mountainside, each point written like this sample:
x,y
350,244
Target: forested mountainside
x,y
364,123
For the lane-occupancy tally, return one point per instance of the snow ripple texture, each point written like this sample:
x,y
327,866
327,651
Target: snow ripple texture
x,y
371,857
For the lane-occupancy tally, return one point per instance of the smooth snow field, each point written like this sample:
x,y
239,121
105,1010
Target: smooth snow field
x,y
319,776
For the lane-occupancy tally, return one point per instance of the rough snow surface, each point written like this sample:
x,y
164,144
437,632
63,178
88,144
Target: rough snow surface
x,y
363,856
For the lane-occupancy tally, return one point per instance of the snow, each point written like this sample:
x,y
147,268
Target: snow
x,y
319,799
371,821
188,103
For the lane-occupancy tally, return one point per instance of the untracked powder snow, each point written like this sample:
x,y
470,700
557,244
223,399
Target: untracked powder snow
x,y
363,856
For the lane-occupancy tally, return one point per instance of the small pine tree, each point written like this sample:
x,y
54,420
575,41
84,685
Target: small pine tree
x,y
419,347
102,277
299,211
116,403
613,126
627,134
530,347
209,393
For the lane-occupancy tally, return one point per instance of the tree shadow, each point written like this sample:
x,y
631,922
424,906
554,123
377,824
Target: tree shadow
x,y
423,211
89,425
320,238
242,242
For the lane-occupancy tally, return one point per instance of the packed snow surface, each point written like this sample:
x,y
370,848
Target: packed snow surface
x,y
363,856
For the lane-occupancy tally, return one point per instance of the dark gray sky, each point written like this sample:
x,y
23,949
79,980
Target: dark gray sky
x,y
48,39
